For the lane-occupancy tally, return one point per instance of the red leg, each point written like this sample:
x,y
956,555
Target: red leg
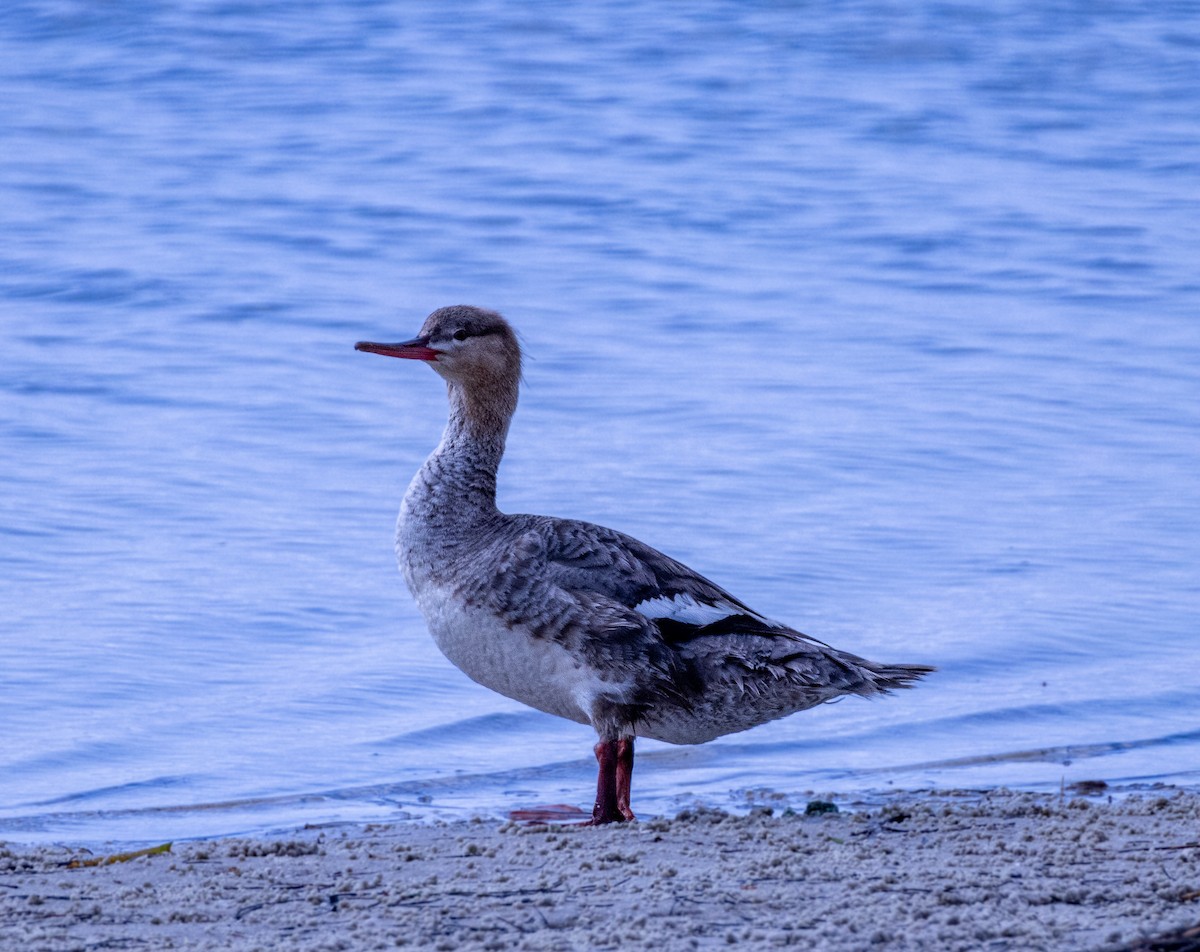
x,y
614,760
606,809
624,776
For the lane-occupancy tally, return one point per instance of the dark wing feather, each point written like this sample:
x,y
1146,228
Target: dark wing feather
x,y
582,555
590,560
670,635
731,638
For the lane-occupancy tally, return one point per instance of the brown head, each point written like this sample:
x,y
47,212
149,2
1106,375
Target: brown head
x,y
477,353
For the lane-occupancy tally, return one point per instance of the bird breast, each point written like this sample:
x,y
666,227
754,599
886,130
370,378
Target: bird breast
x,y
535,671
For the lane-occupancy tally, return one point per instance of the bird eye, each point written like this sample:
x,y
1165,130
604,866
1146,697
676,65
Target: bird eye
x,y
460,335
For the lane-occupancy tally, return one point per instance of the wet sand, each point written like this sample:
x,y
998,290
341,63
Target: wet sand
x,y
994,871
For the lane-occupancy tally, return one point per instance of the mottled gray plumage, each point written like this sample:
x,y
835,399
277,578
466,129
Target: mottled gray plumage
x,y
576,619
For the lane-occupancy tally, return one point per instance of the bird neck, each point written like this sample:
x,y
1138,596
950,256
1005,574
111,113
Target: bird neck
x,y
464,465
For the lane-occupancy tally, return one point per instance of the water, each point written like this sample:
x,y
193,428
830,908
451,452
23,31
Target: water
x,y
885,316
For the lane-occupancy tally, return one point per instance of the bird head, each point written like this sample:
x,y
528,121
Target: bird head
x,y
469,346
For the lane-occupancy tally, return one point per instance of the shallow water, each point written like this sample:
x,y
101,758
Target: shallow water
x,y
885,317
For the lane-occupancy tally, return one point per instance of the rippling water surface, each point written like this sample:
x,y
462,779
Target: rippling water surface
x,y
885,316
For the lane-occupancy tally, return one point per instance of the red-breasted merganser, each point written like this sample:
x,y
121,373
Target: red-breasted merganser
x,y
575,619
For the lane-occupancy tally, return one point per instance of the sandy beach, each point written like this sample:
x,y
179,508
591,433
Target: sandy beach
x,y
997,870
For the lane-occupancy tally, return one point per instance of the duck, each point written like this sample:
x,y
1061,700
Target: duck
x,y
575,619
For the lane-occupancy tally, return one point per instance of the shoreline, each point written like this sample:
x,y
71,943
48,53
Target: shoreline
x,y
994,870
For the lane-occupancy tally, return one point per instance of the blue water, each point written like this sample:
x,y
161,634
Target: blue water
x,y
885,316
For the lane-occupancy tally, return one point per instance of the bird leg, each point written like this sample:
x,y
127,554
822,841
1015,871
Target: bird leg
x,y
614,758
606,809
624,776
615,761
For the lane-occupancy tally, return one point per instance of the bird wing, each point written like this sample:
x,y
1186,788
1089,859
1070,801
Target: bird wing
x,y
658,638
658,608
584,556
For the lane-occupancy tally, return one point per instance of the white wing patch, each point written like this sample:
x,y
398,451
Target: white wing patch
x,y
686,610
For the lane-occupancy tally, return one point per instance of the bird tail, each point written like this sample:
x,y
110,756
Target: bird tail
x,y
890,677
